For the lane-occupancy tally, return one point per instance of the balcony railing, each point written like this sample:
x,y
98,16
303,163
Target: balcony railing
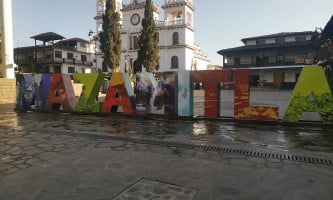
x,y
178,1
52,61
287,62
170,23
169,3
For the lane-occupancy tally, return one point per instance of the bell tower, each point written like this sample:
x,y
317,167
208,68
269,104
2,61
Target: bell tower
x,y
178,35
179,11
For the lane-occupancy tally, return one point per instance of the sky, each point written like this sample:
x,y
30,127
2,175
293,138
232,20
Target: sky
x,y
219,24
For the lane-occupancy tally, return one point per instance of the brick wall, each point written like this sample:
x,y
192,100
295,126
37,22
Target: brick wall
x,y
7,91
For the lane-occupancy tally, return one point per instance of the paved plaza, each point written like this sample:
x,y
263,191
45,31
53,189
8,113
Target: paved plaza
x,y
64,156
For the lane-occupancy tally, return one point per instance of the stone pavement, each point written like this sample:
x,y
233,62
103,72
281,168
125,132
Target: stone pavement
x,y
59,156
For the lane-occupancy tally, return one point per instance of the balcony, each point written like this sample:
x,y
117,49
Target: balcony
x,y
170,23
178,1
52,61
286,62
172,3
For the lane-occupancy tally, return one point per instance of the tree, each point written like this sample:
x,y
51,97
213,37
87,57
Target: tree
x,y
148,41
110,36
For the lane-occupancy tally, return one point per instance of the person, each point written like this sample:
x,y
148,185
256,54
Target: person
x,y
106,85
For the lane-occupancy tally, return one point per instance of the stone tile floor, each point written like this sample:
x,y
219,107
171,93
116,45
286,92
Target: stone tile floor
x,y
45,156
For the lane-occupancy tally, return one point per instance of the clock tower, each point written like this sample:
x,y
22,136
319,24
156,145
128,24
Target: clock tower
x,y
133,13
178,50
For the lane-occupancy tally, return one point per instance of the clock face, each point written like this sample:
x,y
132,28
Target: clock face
x,y
135,19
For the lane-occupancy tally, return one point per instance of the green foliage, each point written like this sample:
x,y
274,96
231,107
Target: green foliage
x,y
110,37
86,105
148,42
90,90
92,84
322,103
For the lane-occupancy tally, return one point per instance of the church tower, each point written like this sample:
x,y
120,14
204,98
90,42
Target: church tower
x,y
177,35
178,50
133,13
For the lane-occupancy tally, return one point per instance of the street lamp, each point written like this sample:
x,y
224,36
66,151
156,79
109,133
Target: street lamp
x,y
94,38
127,69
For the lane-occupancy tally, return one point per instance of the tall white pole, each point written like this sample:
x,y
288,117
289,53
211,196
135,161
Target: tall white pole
x,y
7,39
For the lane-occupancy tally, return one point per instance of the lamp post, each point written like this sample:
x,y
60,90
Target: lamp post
x,y
94,38
127,69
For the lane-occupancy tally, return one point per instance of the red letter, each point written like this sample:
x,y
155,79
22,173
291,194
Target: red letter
x,y
211,80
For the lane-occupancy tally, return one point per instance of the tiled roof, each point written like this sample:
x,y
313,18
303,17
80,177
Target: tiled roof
x,y
73,41
267,47
46,37
277,35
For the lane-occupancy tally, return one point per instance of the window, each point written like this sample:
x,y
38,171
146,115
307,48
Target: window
x,y
237,61
30,58
83,58
136,42
280,40
71,70
303,55
48,56
83,45
300,38
262,41
57,69
174,62
70,55
279,57
58,54
157,35
175,38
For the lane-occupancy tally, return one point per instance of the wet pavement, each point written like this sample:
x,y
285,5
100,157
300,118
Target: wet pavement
x,y
64,156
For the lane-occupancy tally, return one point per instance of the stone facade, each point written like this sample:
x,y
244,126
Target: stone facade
x,y
7,91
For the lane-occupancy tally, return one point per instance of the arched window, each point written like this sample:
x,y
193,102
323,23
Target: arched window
x,y
175,38
157,35
174,62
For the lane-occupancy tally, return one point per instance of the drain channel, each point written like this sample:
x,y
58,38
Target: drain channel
x,y
258,154
227,150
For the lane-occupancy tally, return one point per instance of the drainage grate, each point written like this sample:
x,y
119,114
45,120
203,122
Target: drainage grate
x,y
212,148
226,150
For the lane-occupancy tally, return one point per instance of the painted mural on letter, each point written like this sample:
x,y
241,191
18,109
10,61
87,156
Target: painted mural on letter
x,y
312,94
242,109
169,93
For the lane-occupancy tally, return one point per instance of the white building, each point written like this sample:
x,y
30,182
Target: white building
x,y
178,50
52,53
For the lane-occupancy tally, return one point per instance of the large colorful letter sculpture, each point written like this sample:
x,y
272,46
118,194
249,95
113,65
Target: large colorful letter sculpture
x,y
312,93
25,91
144,89
91,86
211,80
61,94
242,109
163,99
185,93
42,84
119,93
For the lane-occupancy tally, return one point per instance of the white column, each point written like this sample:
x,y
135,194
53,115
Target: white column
x,y
7,39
